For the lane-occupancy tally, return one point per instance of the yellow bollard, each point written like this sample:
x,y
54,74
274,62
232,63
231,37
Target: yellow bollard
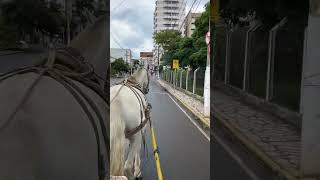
x,y
156,155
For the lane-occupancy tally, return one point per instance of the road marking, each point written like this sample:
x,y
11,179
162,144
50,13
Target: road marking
x,y
158,93
190,118
236,158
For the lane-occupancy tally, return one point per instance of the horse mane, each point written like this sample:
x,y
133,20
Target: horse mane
x,y
137,76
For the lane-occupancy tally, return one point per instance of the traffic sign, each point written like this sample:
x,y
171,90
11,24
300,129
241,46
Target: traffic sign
x,y
175,64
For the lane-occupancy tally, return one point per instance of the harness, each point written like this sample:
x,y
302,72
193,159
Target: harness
x,y
134,86
65,73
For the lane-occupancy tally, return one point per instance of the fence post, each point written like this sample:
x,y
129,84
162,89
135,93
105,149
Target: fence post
x,y
171,79
166,75
246,64
187,79
227,63
195,80
181,78
174,78
270,72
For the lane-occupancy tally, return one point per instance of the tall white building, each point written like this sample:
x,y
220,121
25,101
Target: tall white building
x,y
168,14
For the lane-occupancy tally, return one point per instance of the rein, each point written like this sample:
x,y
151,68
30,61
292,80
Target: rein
x,y
64,75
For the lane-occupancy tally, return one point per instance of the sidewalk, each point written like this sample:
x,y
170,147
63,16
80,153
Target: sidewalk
x,y
274,141
193,105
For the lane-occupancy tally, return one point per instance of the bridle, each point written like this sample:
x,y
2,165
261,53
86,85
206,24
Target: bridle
x,y
65,76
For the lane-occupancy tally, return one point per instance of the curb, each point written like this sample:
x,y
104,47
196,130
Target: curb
x,y
204,122
251,145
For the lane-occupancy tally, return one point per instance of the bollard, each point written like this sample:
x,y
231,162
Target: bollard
x,y
194,80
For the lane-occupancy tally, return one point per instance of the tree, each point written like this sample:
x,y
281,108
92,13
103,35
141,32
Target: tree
x,y
167,39
199,57
185,50
268,12
119,66
29,15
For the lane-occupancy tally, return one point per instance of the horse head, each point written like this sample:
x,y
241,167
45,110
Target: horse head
x,y
141,76
146,81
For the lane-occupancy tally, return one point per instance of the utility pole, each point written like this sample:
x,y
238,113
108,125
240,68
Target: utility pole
x,y
130,57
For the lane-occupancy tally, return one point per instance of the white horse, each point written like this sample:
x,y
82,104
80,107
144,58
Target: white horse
x,y
127,112
52,126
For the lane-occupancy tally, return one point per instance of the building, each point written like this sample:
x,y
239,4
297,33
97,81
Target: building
x,y
146,58
116,53
190,23
168,14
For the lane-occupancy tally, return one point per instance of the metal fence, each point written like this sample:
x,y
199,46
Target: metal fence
x,y
266,63
189,80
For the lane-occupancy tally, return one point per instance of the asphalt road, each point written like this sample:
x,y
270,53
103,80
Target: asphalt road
x,y
232,160
184,150
11,61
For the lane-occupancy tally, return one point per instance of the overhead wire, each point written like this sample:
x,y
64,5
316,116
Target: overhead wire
x,y
117,6
187,14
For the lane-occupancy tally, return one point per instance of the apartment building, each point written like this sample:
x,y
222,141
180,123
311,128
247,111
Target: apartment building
x,y
190,23
168,14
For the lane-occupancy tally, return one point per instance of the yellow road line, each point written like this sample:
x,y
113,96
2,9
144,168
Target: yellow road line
x,y
156,154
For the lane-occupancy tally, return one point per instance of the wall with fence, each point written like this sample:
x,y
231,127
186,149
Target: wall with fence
x,y
189,80
266,63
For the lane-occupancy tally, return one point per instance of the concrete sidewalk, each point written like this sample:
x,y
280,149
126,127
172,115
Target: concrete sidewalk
x,y
274,141
192,104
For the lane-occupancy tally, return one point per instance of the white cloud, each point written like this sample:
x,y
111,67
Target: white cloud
x,y
132,24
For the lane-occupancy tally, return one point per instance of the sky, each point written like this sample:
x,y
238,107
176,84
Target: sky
x,y
132,24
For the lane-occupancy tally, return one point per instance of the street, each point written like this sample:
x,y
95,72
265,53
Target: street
x,y
12,61
184,150
230,159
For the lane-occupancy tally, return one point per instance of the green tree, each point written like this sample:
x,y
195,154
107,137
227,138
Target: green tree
x,y
190,51
199,57
268,12
185,50
29,15
167,39
119,66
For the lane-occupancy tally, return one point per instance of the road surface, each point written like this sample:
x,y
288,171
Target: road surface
x,y
231,160
11,61
184,150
